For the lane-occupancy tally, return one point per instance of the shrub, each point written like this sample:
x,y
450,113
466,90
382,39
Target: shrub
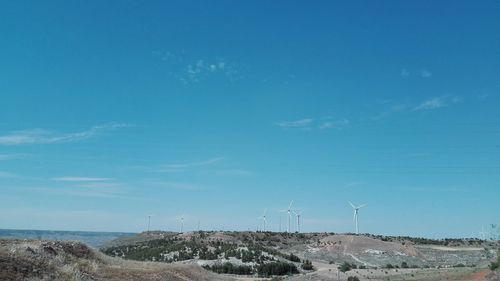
x,y
496,264
276,268
404,265
307,265
346,267
293,258
352,278
229,268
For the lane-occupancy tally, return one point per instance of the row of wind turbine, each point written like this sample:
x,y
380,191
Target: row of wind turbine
x,y
298,213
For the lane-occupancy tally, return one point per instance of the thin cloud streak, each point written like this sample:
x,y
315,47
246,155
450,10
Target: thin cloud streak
x,y
235,172
41,136
99,185
180,167
309,123
80,179
433,103
87,192
295,124
426,105
334,124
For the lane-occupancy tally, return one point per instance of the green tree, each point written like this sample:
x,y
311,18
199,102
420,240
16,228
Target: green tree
x,y
496,264
345,267
307,265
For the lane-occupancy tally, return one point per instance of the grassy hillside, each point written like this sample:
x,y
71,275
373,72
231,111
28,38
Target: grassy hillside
x,y
70,261
266,253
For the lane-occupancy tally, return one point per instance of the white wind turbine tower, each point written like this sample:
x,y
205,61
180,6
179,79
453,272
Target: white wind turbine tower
x,y
298,213
149,221
482,233
181,219
289,211
356,214
264,220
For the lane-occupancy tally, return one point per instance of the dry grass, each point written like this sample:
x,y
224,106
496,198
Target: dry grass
x,y
71,261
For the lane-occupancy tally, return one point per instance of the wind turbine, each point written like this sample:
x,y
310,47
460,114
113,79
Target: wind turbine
x,y
356,214
264,220
298,213
483,233
181,219
289,211
149,221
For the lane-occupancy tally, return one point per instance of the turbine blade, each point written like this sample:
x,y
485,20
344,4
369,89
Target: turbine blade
x,y
352,205
290,206
361,206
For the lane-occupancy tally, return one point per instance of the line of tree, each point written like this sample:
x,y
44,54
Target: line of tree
x,y
276,268
229,268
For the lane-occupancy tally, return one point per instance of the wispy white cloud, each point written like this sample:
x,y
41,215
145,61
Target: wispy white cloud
x,y
404,73
295,124
180,167
433,103
334,124
99,185
395,108
203,69
424,73
81,191
235,172
41,136
322,123
163,55
80,179
428,104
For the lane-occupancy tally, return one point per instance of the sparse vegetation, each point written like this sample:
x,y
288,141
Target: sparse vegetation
x,y
496,264
229,268
347,267
276,268
70,261
307,265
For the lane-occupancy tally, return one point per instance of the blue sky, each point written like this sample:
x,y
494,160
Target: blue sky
x,y
220,109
